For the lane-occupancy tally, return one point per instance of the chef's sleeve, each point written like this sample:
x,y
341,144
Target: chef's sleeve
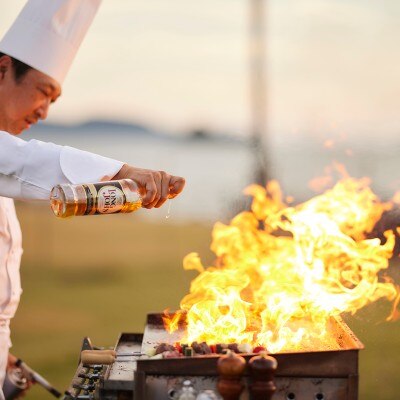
x,y
29,170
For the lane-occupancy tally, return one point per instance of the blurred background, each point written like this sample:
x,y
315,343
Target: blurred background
x,y
224,93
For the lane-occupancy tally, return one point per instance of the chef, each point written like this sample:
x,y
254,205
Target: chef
x,y
35,56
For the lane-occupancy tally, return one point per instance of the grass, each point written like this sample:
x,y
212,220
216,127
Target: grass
x,y
99,276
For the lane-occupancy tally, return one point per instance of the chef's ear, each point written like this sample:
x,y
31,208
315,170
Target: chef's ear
x,y
5,66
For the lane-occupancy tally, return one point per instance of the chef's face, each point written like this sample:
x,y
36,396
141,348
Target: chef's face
x,y
25,100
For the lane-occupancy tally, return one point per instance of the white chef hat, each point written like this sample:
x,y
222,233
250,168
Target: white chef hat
x,y
47,34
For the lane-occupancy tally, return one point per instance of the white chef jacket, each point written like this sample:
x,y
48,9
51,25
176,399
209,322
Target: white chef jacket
x,y
10,286
29,170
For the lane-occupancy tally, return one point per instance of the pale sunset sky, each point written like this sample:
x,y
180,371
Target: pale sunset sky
x,y
179,64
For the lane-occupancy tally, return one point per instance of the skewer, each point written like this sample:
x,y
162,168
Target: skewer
x,y
105,357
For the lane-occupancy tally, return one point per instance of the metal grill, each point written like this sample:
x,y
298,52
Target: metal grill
x,y
311,375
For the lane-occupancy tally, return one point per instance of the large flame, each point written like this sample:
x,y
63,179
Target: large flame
x,y
282,272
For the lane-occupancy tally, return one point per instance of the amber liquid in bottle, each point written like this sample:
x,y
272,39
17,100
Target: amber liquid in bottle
x,y
111,197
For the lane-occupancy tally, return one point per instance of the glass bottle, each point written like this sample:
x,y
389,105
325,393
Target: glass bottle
x,y
187,392
208,395
122,196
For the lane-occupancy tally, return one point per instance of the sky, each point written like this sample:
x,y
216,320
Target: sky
x,y
182,64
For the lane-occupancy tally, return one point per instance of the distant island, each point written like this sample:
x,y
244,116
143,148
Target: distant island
x,y
104,127
95,125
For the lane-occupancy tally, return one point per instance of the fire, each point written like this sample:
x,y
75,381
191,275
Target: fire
x,y
282,272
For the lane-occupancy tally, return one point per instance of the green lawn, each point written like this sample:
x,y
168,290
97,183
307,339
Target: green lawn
x,y
99,276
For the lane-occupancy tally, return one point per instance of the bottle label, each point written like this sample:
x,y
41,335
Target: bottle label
x,y
104,198
110,199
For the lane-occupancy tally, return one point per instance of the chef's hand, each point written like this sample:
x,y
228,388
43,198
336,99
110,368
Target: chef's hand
x,y
10,365
158,186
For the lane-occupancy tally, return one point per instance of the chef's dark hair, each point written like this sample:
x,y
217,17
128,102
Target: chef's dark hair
x,y
20,68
